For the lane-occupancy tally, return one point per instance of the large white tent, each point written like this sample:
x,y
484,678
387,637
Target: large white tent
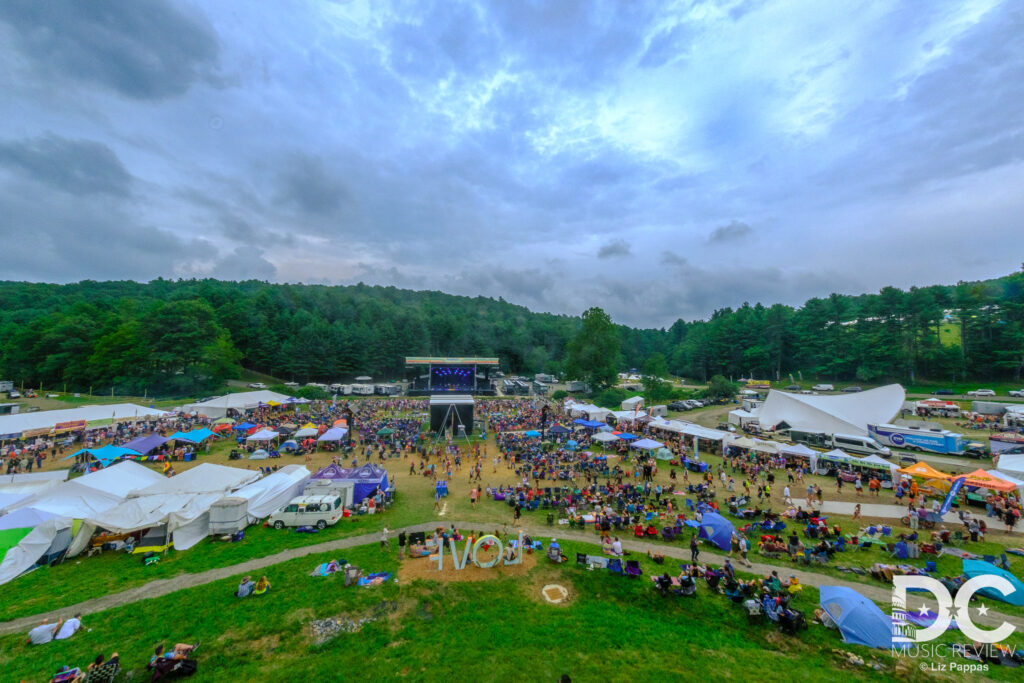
x,y
15,425
843,414
273,491
35,545
247,400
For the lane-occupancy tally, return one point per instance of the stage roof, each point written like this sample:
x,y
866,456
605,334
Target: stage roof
x,y
430,360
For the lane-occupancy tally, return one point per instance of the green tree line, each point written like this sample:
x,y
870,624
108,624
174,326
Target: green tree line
x,y
178,337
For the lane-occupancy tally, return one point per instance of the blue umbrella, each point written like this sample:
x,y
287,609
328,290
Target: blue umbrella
x,y
859,620
533,433
974,568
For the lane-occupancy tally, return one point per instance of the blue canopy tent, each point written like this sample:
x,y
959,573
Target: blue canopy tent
x,y
625,436
144,445
973,568
717,529
533,433
558,429
195,436
571,444
106,454
580,421
859,620
244,427
594,424
367,478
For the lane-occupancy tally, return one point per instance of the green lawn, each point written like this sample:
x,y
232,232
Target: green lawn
x,y
615,629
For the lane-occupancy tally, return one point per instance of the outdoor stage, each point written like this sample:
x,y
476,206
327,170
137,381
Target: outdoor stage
x,y
451,375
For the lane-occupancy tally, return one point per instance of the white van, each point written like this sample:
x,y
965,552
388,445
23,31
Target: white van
x,y
852,443
823,387
319,511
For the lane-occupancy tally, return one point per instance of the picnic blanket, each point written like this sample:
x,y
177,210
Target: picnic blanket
x,y
374,579
327,568
957,552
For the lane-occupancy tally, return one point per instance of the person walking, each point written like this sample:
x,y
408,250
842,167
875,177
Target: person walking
x,y
856,510
744,549
402,539
694,549
385,544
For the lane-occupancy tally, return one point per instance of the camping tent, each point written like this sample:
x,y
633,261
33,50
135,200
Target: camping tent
x,y
144,445
923,470
859,620
973,568
845,414
646,444
717,529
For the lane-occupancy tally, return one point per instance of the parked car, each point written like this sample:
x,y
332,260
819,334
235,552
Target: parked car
x,y
318,511
14,394
852,390
678,405
291,384
942,392
257,385
981,392
977,450
1019,393
823,387
793,387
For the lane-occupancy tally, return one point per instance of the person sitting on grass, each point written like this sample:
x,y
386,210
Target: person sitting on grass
x,y
245,587
262,586
180,651
102,669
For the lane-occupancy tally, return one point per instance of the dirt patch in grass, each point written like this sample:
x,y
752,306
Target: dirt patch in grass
x,y
301,615
423,568
266,643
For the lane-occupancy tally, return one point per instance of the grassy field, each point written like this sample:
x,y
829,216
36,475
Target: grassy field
x,y
613,628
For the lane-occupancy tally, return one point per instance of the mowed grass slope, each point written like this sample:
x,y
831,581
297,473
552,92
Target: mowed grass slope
x,y
614,629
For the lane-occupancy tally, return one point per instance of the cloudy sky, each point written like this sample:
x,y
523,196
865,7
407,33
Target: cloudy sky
x,y
658,159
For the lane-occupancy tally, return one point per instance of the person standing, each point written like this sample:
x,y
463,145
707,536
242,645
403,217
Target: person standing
x,y
744,549
402,539
694,549
385,544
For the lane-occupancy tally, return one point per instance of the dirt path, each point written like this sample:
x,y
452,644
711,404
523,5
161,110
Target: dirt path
x,y
162,587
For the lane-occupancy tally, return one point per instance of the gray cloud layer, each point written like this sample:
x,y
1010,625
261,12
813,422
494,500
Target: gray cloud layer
x,y
561,155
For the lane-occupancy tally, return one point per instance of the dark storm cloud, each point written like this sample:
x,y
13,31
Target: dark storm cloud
x,y
142,50
730,232
307,184
76,166
614,248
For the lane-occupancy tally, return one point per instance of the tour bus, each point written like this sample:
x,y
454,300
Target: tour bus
x,y
919,439
851,443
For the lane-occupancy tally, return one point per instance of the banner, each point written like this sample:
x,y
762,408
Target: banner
x,y
958,484
69,426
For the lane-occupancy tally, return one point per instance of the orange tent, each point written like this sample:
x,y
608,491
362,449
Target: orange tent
x,y
980,477
923,469
340,423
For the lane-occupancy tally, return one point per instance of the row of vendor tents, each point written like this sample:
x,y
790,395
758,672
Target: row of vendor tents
x,y
44,515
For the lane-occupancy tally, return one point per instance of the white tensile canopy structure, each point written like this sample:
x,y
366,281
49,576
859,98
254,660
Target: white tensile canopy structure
x,y
48,419
845,414
241,402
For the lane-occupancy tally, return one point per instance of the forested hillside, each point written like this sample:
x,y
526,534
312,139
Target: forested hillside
x,y
178,337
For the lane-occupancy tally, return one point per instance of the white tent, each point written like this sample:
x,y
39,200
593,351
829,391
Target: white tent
x,y
606,437
15,488
1016,481
625,415
121,479
48,419
264,435
306,431
844,414
878,460
23,556
766,446
632,402
741,417
334,434
71,499
240,402
203,478
273,491
1012,464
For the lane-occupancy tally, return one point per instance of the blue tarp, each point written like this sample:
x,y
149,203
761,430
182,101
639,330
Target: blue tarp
x,y
974,568
859,620
106,454
717,529
146,444
195,436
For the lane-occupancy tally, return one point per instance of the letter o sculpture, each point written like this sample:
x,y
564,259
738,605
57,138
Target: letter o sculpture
x,y
480,541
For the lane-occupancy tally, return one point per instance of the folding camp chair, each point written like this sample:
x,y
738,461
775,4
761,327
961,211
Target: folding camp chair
x,y
886,531
615,566
633,569
581,559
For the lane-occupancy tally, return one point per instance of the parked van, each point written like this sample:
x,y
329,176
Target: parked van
x,y
823,387
851,443
318,511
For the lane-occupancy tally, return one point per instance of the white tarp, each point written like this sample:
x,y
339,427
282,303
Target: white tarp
x,y
334,434
844,414
1011,464
47,419
71,499
55,476
306,431
121,479
16,488
204,478
273,491
240,402
21,557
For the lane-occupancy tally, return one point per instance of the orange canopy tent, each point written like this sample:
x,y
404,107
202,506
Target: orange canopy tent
x,y
341,423
985,480
923,469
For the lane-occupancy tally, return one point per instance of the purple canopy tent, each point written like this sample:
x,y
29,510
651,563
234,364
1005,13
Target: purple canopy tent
x,y
144,445
366,478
